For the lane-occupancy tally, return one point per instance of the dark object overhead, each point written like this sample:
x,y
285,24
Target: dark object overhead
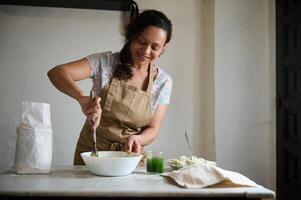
x,y
122,5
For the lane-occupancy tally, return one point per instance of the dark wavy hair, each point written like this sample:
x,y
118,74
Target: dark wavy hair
x,y
137,25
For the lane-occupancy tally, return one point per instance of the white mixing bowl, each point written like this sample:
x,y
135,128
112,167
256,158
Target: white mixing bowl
x,y
111,163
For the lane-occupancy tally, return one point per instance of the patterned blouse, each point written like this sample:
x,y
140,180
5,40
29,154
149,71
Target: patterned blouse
x,y
103,66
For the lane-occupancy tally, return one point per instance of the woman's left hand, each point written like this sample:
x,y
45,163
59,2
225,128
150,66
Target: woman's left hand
x,y
133,144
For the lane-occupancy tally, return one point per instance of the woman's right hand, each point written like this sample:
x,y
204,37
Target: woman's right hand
x,y
91,109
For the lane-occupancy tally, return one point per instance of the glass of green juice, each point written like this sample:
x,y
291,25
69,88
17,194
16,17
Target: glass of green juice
x,y
155,162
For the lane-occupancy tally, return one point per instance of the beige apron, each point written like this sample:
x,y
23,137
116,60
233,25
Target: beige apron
x,y
125,111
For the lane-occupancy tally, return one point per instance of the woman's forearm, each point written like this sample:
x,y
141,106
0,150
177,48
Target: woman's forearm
x,y
148,135
64,82
150,132
64,77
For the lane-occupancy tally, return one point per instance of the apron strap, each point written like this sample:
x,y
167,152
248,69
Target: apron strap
x,y
110,98
150,78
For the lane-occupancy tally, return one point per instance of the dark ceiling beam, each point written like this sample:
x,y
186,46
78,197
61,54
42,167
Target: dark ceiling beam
x,y
121,5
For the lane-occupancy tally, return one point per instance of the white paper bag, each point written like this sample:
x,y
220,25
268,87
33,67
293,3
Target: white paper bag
x,y
36,115
34,139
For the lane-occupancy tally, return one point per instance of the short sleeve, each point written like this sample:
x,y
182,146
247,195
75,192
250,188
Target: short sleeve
x,y
102,66
101,61
165,94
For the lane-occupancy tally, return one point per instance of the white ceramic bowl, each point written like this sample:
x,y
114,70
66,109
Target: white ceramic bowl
x,y
111,163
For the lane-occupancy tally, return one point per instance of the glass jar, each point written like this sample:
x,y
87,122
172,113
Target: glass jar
x,y
155,162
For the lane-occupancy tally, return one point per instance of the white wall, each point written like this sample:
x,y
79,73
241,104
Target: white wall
x,y
33,40
244,88
223,75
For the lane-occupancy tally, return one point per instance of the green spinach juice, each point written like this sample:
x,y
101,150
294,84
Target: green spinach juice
x,y
155,162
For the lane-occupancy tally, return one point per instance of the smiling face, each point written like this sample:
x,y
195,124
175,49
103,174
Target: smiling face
x,y
148,46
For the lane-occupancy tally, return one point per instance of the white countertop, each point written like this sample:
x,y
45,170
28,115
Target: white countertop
x,y
78,181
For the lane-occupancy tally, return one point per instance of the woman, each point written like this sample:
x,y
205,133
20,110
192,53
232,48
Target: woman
x,y
132,92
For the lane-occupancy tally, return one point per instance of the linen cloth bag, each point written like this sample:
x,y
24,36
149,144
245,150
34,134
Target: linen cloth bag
x,y
34,139
205,175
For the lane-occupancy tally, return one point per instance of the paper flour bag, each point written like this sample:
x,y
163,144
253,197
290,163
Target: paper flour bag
x,y
34,139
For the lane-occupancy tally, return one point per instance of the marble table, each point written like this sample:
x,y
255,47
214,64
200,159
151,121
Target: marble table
x,y
77,181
